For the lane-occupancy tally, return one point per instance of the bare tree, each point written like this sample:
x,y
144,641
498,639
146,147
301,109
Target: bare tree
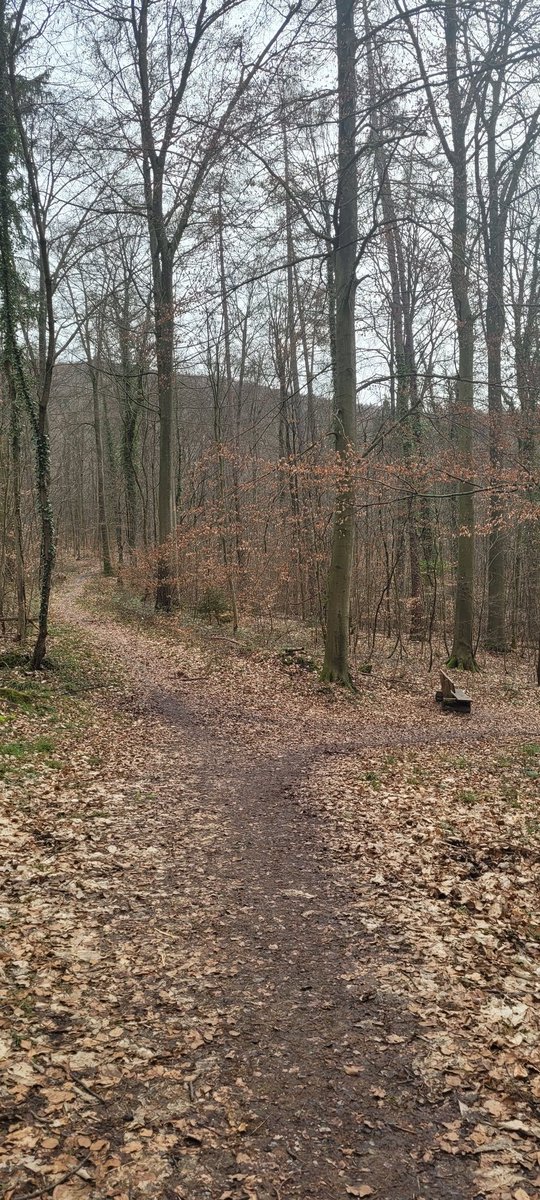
x,y
336,654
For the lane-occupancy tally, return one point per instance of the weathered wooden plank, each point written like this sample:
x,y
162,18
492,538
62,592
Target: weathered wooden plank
x,y
457,705
451,696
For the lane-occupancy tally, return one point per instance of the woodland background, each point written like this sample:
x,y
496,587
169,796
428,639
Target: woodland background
x,y
172,189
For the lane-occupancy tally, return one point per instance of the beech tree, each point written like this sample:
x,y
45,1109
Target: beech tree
x,y
336,653
460,87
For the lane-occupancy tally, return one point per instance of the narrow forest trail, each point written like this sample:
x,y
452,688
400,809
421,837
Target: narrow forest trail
x,y
230,1017
322,1101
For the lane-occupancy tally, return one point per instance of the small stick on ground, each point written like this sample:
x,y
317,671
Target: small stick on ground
x,y
49,1187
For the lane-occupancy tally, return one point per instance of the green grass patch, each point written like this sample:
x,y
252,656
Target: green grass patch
x,y
531,750
122,604
467,797
74,669
42,713
11,660
24,754
25,747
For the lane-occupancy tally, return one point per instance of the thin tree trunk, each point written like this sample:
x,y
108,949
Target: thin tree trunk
x,y
102,507
403,338
496,616
164,332
233,399
20,581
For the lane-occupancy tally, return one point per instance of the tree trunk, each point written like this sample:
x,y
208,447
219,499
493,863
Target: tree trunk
x,y
20,581
47,351
526,305
462,654
233,399
402,339
336,657
164,330
11,120
102,507
114,492
47,532
496,618
495,308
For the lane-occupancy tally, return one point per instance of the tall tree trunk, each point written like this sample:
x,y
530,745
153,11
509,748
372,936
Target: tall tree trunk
x,y
462,654
20,581
336,656
47,523
102,505
130,410
526,304
233,394
164,332
11,119
496,618
112,461
403,336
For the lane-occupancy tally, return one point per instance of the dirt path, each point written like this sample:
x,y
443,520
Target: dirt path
x,y
271,1064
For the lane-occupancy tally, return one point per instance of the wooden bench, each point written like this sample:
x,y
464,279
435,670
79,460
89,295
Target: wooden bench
x,y
451,696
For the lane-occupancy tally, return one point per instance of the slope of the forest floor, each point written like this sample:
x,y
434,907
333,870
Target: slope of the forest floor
x,y
129,1065
387,674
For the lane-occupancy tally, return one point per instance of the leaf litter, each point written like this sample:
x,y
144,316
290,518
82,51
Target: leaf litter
x,y
256,945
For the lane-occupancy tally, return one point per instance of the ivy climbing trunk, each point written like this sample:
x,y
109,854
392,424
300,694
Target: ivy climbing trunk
x,y
14,144
37,411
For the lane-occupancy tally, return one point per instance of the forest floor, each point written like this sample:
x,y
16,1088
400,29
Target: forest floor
x,y
260,939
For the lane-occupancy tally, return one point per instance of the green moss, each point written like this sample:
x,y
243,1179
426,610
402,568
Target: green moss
x,y
26,695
